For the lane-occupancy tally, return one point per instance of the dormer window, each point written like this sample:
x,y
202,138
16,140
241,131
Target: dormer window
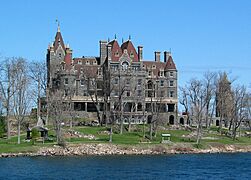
x,y
171,74
116,53
153,66
87,62
94,62
60,55
125,50
79,62
131,55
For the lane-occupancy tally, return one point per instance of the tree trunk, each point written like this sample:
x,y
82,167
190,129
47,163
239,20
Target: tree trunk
x,y
151,131
18,132
110,135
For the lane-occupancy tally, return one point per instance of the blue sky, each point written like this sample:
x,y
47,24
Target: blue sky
x,y
203,35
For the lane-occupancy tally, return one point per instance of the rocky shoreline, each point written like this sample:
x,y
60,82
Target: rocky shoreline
x,y
111,149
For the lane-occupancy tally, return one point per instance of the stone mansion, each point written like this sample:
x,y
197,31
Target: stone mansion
x,y
119,82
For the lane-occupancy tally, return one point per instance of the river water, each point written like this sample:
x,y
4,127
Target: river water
x,y
185,166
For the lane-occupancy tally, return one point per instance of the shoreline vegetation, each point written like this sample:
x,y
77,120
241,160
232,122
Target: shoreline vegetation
x,y
89,140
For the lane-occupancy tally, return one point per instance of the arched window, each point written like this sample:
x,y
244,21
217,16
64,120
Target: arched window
x,y
125,65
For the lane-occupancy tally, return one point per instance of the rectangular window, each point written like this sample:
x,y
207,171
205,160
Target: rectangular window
x,y
162,83
161,74
139,82
161,93
127,81
171,94
171,83
171,74
128,93
82,82
66,81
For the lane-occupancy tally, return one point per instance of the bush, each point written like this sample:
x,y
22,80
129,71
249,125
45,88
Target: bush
x,y
3,128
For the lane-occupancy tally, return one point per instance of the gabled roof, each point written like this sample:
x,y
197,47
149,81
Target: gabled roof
x,y
130,49
158,66
170,64
115,49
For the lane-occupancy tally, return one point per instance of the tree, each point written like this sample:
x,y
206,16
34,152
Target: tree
x,y
21,95
197,95
38,74
239,108
185,101
6,84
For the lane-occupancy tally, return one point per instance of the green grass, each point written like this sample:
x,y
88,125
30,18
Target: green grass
x,y
127,138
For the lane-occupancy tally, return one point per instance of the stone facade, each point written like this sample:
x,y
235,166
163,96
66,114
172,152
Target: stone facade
x,y
119,81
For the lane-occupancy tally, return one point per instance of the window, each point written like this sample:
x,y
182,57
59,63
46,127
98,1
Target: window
x,y
131,55
116,53
161,73
153,66
139,82
60,55
128,93
127,81
99,71
149,73
125,65
87,62
79,62
171,83
139,93
116,81
171,74
82,82
162,83
161,93
95,62
171,94
66,81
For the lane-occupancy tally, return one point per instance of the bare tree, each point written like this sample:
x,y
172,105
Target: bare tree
x,y
38,75
197,96
21,95
185,101
239,108
208,83
57,105
6,84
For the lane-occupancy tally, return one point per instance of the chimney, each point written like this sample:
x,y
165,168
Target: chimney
x,y
167,54
157,56
140,53
109,52
102,51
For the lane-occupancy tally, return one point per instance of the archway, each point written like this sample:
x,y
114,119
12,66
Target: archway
x,y
171,120
217,122
149,119
182,121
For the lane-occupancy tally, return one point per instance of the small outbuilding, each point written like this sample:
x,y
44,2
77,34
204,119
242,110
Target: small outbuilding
x,y
43,131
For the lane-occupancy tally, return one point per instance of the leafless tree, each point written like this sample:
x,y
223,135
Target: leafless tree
x,y
21,97
208,83
239,108
6,84
38,75
197,95
185,101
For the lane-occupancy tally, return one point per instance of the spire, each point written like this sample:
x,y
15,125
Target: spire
x,y
122,40
58,25
129,37
115,36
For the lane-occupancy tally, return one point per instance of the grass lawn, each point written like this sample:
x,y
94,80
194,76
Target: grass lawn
x,y
127,138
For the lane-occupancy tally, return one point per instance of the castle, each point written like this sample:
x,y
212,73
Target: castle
x,y
118,86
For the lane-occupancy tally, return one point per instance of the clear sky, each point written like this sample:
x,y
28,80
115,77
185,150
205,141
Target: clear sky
x,y
203,35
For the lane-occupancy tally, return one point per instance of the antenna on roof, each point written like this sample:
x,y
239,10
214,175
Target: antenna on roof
x,y
115,36
122,40
57,21
129,37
